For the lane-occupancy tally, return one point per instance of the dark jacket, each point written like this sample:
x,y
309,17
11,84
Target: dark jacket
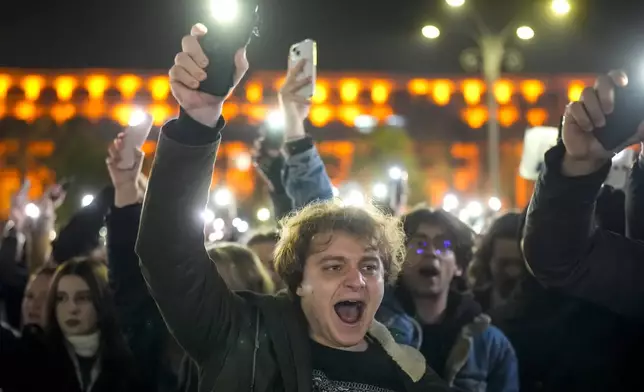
x,y
31,363
566,344
476,355
241,341
566,250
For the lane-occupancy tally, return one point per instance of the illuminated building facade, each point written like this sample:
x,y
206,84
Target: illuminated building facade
x,y
443,113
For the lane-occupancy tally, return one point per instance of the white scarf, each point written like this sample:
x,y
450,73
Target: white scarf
x,y
85,346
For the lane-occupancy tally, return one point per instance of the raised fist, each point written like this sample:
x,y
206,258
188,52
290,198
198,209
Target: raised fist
x,y
584,153
188,72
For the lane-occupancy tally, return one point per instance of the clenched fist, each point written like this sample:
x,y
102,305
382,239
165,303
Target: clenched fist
x,y
584,153
189,71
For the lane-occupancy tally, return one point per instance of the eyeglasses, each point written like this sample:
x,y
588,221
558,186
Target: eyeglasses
x,y
438,245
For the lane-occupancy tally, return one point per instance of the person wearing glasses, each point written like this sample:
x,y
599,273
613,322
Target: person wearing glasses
x,y
447,326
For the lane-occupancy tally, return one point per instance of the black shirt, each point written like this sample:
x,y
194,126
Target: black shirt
x,y
372,370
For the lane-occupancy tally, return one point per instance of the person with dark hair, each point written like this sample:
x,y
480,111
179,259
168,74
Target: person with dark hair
x,y
83,349
335,261
453,334
498,265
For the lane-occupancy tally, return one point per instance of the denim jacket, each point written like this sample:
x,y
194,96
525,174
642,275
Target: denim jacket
x,y
481,359
304,176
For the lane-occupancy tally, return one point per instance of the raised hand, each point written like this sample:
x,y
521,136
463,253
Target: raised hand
x,y
127,183
189,71
584,153
295,107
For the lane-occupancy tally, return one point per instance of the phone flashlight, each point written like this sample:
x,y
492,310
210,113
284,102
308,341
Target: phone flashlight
x,y
234,23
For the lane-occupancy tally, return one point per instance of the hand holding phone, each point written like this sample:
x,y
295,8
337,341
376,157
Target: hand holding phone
x,y
133,139
307,51
622,123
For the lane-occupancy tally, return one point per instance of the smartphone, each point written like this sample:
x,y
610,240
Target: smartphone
x,y
133,140
305,50
623,122
272,138
232,25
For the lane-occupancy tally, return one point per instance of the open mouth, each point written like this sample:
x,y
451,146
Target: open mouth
x,y
428,272
350,312
72,323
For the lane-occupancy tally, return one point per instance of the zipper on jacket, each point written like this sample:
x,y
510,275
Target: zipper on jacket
x,y
252,383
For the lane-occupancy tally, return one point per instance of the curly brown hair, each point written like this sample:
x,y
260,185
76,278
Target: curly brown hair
x,y
366,223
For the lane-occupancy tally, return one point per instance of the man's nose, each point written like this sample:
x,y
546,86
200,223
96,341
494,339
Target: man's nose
x,y
355,279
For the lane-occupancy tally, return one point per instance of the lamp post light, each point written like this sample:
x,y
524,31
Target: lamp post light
x,y
489,57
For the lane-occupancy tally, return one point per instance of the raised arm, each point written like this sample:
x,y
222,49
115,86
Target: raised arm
x,y
199,309
563,247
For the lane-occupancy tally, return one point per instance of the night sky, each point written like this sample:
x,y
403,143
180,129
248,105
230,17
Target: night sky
x,y
361,35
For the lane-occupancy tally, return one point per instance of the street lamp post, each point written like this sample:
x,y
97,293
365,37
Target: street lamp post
x,y
489,57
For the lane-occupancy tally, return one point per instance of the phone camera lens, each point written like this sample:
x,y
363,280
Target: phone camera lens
x,y
297,52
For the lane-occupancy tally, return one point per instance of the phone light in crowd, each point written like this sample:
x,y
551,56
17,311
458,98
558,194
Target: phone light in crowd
x,y
396,121
450,202
53,235
380,191
455,3
365,123
224,11
87,200
32,211
275,120
495,204
223,197
208,215
103,232
137,118
395,173
431,32
217,235
560,7
336,192
355,198
218,224
240,225
525,33
263,214
474,209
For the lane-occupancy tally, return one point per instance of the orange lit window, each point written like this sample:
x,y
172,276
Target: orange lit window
x,y
532,90
321,92
159,88
472,91
418,87
320,115
256,113
254,92
62,112
32,85
536,117
65,86
503,91
508,115
94,110
5,84
475,117
349,90
382,112
160,112
574,90
348,114
122,113
466,177
128,85
380,92
231,110
442,92
25,111
96,86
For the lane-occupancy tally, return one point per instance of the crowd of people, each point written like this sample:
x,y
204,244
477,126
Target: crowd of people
x,y
337,298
